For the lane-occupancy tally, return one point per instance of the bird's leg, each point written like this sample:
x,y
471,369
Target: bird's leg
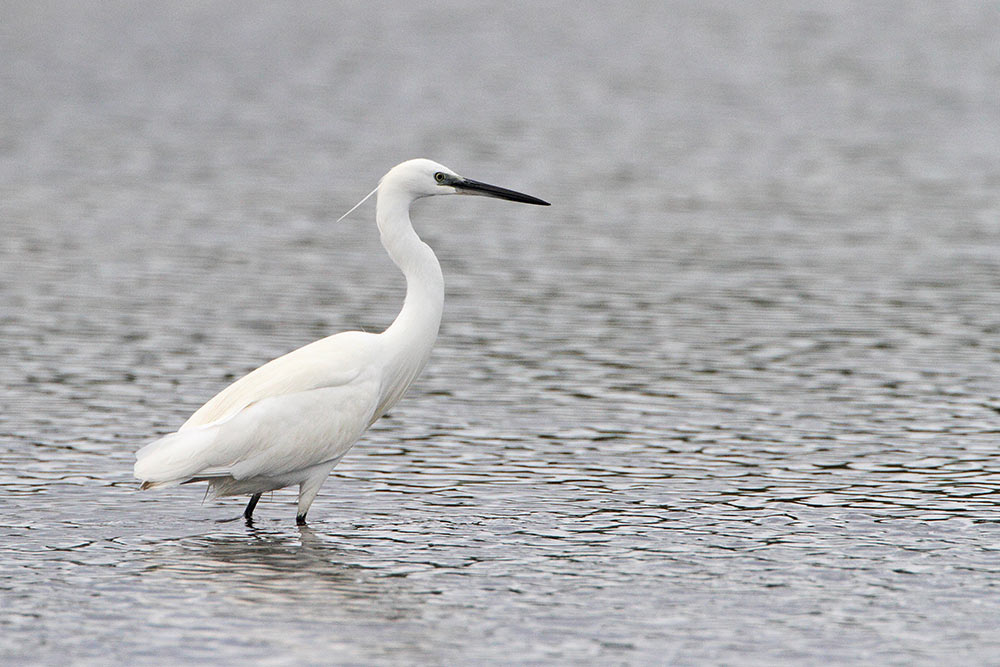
x,y
308,488
248,512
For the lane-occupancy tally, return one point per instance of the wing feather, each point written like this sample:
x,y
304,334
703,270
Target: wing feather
x,y
330,362
272,437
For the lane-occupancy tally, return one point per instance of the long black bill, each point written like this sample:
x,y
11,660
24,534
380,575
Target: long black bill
x,y
476,188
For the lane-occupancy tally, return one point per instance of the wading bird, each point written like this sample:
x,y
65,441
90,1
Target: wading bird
x,y
293,419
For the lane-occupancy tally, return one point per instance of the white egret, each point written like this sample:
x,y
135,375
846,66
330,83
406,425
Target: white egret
x,y
293,419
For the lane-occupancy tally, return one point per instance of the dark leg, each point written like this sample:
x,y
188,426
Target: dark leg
x,y
248,512
300,519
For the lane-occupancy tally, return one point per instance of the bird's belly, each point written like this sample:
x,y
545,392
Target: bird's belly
x,y
230,486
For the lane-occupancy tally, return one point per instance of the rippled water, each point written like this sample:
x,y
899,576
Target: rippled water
x,y
732,399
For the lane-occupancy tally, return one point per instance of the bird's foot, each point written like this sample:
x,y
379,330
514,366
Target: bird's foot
x,y
300,519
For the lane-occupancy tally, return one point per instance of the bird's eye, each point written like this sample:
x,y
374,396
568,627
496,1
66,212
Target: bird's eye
x,y
440,177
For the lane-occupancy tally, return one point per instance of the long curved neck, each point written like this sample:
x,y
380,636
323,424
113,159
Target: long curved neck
x,y
415,329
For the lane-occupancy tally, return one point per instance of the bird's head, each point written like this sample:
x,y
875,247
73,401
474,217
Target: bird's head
x,y
425,178
418,178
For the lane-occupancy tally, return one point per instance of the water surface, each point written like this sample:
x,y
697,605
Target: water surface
x,y
731,399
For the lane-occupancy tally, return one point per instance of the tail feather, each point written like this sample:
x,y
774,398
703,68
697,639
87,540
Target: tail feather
x,y
176,458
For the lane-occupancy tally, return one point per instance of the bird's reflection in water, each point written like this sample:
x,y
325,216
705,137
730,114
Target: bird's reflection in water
x,y
285,585
279,565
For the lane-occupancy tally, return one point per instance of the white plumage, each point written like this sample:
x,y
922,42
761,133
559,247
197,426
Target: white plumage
x,y
291,420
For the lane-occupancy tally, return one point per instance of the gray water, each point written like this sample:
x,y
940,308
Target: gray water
x,y
732,399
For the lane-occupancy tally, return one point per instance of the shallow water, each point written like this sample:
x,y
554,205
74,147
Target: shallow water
x,y
732,399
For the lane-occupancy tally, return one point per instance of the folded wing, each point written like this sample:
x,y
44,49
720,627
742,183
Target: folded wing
x,y
297,411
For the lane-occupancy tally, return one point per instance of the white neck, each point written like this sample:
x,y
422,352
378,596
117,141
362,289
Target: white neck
x,y
412,334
